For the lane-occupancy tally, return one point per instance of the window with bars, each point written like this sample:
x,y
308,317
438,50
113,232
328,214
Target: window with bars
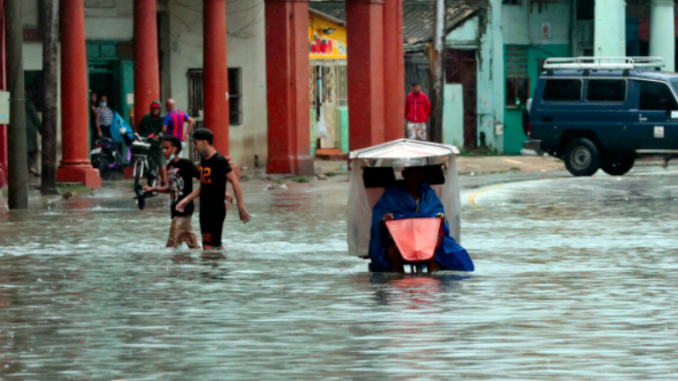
x,y
517,78
196,94
235,96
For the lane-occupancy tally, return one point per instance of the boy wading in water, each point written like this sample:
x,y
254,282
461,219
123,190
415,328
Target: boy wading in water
x,y
215,171
180,173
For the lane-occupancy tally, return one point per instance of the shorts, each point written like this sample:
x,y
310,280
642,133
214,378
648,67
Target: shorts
x,y
416,131
182,231
212,226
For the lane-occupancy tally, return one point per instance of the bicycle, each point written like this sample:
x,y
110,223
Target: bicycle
x,y
140,151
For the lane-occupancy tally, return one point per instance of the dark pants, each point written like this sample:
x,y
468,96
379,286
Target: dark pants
x,y
106,131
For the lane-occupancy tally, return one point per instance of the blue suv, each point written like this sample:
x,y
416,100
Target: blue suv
x,y
602,113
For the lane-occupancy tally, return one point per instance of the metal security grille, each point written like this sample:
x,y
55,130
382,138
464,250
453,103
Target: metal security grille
x,y
342,86
195,92
99,67
516,61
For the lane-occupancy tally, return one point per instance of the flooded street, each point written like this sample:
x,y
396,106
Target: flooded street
x,y
575,279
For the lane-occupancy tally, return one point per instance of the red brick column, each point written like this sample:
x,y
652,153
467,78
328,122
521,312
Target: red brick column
x,y
287,81
146,67
75,165
365,24
216,73
394,71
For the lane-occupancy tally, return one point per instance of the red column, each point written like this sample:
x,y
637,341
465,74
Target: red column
x,y
146,67
3,86
216,73
287,81
394,71
75,165
364,19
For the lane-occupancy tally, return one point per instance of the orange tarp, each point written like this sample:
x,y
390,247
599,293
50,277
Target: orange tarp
x,y
416,238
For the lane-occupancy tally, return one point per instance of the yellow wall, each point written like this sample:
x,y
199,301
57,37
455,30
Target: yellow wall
x,y
322,46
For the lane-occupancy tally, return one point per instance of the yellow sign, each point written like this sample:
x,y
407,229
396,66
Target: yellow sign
x,y
327,40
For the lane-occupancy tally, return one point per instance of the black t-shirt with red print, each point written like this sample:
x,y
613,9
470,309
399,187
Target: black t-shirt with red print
x,y
180,175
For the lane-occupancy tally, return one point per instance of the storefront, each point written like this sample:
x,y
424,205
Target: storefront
x,y
328,85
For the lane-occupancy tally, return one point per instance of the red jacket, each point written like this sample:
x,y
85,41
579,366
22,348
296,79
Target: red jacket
x,y
417,108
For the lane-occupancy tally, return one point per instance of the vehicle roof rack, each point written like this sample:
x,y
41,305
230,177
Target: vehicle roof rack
x,y
603,63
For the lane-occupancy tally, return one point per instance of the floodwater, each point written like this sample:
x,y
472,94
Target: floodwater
x,y
576,280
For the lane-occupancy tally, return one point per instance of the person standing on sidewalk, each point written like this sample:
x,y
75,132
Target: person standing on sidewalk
x,y
104,118
173,123
215,171
93,128
33,126
417,111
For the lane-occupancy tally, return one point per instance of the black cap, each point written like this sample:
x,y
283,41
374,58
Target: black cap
x,y
203,134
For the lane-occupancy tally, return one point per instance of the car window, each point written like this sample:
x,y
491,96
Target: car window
x,y
562,90
656,96
606,90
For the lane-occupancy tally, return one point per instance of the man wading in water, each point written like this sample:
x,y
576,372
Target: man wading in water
x,y
215,171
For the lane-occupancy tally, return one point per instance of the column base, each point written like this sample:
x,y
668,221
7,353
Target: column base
x,y
280,165
85,175
306,166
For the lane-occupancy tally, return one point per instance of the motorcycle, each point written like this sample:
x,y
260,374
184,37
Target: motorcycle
x,y
107,157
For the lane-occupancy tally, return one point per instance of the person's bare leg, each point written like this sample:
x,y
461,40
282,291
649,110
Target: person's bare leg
x,y
432,265
397,262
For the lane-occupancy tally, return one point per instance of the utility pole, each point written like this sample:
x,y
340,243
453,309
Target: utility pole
x,y
17,154
50,38
437,73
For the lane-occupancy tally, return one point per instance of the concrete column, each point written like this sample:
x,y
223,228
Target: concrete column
x,y
663,32
610,28
287,82
75,165
215,79
365,24
394,71
146,68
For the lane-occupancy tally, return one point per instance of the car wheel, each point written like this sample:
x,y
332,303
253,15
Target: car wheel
x,y
619,166
582,157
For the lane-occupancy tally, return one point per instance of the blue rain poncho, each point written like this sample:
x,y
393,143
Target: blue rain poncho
x,y
450,255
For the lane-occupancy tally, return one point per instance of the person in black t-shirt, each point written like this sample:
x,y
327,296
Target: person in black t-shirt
x,y
214,173
180,173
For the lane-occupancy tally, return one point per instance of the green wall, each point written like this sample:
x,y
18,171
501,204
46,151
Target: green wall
x,y
342,125
513,117
127,87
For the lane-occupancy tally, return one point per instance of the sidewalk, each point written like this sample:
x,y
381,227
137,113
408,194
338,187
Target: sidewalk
x,y
477,165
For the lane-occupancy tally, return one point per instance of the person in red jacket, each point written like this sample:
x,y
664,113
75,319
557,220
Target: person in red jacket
x,y
417,111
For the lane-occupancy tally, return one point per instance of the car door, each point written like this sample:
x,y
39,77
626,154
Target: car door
x,y
655,128
606,111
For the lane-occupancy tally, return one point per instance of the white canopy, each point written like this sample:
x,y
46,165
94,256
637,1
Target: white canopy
x,y
405,153
398,154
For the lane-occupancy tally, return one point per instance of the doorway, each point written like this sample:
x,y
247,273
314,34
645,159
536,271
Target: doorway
x,y
461,67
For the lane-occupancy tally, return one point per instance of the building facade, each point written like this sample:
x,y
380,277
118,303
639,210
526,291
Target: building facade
x,y
495,57
109,33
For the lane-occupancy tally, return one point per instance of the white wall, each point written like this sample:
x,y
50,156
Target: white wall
x,y
246,50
